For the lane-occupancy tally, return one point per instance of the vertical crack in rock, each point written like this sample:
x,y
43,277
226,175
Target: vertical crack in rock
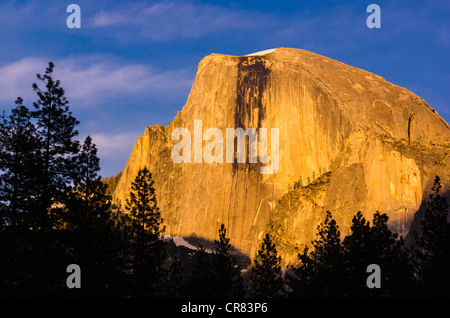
x,y
409,126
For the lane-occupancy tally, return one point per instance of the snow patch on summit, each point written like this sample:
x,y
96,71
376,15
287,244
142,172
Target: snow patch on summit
x,y
261,52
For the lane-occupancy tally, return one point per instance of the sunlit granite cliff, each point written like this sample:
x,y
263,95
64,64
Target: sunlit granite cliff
x,y
349,141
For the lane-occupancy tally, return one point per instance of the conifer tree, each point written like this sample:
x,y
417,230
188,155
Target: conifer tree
x,y
56,131
393,258
327,247
200,281
433,250
18,165
226,275
319,273
87,201
327,257
266,277
146,247
175,280
358,254
18,146
301,277
215,274
95,240
376,244
36,181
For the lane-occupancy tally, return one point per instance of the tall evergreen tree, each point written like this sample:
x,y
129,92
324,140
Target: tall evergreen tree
x,y
87,215
358,254
35,160
266,279
88,204
17,147
320,271
200,281
56,131
392,257
174,284
215,274
433,251
146,247
327,257
18,165
226,275
376,245
301,277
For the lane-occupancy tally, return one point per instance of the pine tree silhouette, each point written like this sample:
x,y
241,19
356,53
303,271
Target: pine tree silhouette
x,y
16,143
376,244
88,205
301,277
54,207
174,284
87,216
266,277
56,131
320,273
327,257
31,262
358,254
200,281
18,168
226,275
392,257
147,249
433,247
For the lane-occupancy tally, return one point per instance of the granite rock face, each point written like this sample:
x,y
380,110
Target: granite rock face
x,y
349,141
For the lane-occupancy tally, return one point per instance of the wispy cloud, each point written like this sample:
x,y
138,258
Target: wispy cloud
x,y
91,83
169,20
114,149
93,78
16,78
110,77
114,146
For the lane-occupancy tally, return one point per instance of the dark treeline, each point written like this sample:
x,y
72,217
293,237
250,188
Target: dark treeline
x,y
339,268
335,267
55,210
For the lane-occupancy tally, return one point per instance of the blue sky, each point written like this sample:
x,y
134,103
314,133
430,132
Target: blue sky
x,y
132,63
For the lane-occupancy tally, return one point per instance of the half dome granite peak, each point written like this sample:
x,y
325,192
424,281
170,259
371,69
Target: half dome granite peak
x,y
349,141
